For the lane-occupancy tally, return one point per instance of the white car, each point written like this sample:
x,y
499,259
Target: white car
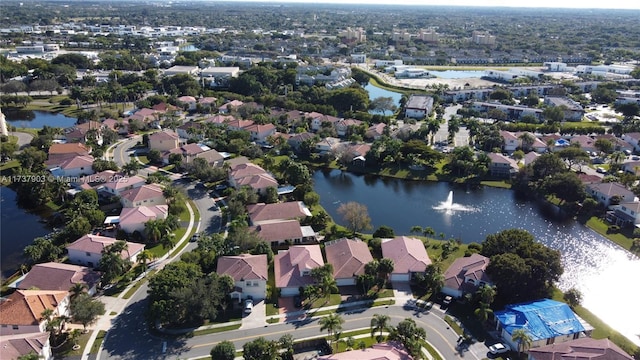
x,y
248,306
498,348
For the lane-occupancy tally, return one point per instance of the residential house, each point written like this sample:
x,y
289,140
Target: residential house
x,y
583,348
145,116
15,346
133,219
510,141
418,106
465,275
285,231
385,351
530,158
348,256
409,257
116,184
627,213
145,195
375,132
262,213
164,140
296,140
21,312
327,145
318,119
250,274
502,166
239,124
187,151
572,110
292,268
207,103
260,133
58,276
633,139
249,174
212,157
343,126
61,152
188,102
79,133
74,167
230,106
219,119
191,130
632,167
618,144
88,249
545,321
586,143
604,192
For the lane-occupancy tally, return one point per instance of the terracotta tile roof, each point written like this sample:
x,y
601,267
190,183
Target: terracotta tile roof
x,y
110,123
279,231
187,99
24,307
220,119
142,214
387,351
256,128
508,135
121,182
245,169
77,162
95,244
57,276
288,265
146,112
234,103
612,188
348,257
261,213
583,348
144,192
69,148
244,267
239,124
191,149
473,267
408,254
164,135
207,100
14,346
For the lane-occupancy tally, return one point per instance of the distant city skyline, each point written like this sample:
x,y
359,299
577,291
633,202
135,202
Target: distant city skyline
x,y
568,4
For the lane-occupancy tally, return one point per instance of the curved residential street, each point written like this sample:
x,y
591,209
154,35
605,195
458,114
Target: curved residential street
x,y
23,138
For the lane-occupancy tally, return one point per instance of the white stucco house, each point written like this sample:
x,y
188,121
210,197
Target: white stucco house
x,y
250,274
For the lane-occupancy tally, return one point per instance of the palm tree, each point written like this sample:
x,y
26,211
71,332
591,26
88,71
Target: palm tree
x,y
416,229
487,294
131,168
379,323
385,268
433,126
153,229
527,141
522,337
144,257
428,231
483,312
76,290
332,324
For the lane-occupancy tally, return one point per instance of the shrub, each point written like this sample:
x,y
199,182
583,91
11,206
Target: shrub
x,y
613,229
66,102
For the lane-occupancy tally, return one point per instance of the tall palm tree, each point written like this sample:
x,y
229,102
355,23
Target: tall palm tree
x,y
522,337
144,257
483,312
153,230
416,229
385,269
379,323
77,289
487,294
428,231
433,126
331,324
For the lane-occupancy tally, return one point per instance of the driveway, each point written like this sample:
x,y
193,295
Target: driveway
x,y
402,292
257,318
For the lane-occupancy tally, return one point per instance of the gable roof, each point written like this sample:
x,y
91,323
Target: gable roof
x,y
583,348
148,191
57,276
280,231
120,182
348,256
472,267
408,254
244,267
25,307
289,264
95,244
610,189
164,135
541,319
142,214
261,212
14,346
77,162
69,148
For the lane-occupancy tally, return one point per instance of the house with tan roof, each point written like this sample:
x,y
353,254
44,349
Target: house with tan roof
x,y
189,102
249,272
191,130
260,133
116,184
219,119
145,195
587,143
328,144
603,192
230,106
21,312
386,351
501,165
249,174
296,140
76,166
285,231
348,257
187,151
88,249
133,219
465,275
61,152
58,276
239,124
633,139
408,255
292,268
15,346
374,132
318,119
207,102
262,213
164,140
583,348
79,133
342,126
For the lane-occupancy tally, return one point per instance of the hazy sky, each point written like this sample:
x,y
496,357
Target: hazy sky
x,y
585,4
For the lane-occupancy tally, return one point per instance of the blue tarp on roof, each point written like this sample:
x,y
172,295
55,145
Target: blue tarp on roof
x,y
542,319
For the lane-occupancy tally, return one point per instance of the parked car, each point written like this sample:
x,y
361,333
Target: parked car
x,y
195,237
221,187
447,300
601,170
498,348
248,306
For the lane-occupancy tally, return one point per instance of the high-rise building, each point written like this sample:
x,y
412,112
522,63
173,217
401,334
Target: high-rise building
x,y
483,38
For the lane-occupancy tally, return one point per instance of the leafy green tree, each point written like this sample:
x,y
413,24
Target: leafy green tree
x,y
263,248
154,156
547,164
224,350
85,309
410,335
573,297
30,356
42,250
379,323
111,263
553,114
260,349
383,104
604,146
384,232
565,186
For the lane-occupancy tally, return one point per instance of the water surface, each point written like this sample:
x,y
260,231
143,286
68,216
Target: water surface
x,y
37,119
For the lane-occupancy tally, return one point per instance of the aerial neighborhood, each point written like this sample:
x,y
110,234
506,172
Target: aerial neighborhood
x,y
183,205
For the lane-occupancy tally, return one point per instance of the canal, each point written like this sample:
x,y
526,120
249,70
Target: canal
x,y
597,267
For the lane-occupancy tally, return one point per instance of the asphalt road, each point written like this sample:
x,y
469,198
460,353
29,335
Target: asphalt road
x,y
122,151
23,138
210,213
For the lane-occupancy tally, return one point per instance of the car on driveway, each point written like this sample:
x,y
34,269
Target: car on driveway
x,y
248,306
498,348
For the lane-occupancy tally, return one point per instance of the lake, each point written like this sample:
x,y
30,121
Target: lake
x,y
376,92
37,119
18,228
593,264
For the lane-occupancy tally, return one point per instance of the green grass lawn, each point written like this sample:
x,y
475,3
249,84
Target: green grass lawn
x,y
272,310
143,159
601,227
216,330
98,342
333,299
